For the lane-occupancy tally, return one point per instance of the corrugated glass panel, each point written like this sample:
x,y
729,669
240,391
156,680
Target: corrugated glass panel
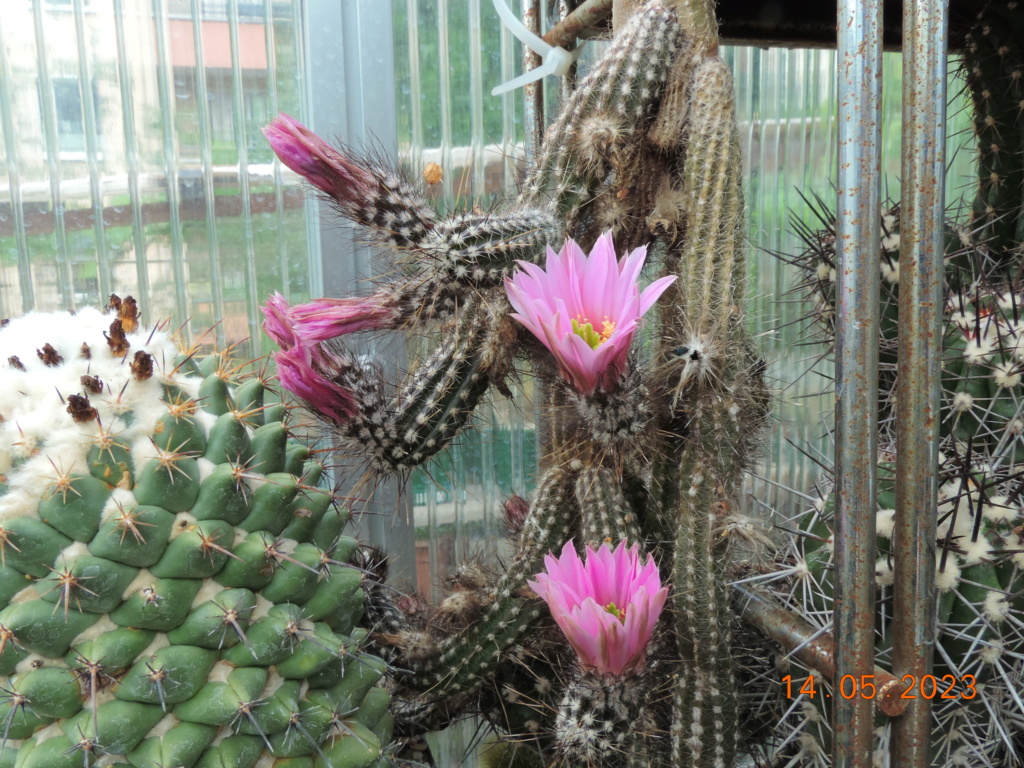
x,y
134,161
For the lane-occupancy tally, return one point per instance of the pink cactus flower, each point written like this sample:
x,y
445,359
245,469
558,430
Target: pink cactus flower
x,y
585,309
607,606
323,319
299,372
317,161
276,323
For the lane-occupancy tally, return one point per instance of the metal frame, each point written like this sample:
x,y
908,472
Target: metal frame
x,y
920,343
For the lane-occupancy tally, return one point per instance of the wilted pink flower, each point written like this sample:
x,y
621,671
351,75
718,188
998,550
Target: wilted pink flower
x,y
586,310
323,319
276,323
607,606
299,372
313,158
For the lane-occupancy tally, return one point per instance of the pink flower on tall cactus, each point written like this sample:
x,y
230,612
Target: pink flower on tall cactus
x,y
276,323
313,158
299,373
323,319
607,605
586,310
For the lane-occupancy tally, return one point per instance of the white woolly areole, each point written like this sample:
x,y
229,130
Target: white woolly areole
x,y
143,580
998,509
978,350
992,652
963,319
885,522
1007,374
160,729
208,591
101,627
891,269
996,606
883,572
120,500
948,577
35,427
963,402
976,551
891,243
824,271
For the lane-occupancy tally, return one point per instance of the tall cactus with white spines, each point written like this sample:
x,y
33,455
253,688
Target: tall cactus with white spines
x,y
644,449
175,588
979,658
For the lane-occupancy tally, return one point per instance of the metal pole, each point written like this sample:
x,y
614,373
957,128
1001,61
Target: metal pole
x,y
859,190
920,347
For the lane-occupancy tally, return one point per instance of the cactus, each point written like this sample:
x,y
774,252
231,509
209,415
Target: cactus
x,y
176,589
647,449
979,645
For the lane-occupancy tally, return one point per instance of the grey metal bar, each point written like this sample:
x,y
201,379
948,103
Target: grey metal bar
x,y
165,87
444,73
476,86
131,141
269,38
92,151
241,135
859,63
14,180
301,14
49,110
920,347
206,158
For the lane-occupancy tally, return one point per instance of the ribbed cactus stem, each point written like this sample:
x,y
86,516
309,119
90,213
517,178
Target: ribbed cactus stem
x,y
605,515
713,359
698,17
704,697
605,113
711,265
470,656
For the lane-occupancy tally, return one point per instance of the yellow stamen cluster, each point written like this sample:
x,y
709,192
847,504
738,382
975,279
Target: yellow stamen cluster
x,y
618,613
585,330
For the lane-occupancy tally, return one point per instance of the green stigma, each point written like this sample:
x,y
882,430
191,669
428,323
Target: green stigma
x,y
618,613
593,338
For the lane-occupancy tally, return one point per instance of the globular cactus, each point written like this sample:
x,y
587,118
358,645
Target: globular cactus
x,y
175,588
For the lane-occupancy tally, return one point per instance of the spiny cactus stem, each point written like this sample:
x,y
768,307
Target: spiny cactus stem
x,y
471,656
711,264
811,646
704,700
698,18
605,514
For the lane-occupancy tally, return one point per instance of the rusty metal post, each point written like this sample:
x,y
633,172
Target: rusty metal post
x,y
859,61
920,347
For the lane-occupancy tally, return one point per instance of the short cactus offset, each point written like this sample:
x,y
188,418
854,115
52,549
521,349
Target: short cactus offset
x,y
174,586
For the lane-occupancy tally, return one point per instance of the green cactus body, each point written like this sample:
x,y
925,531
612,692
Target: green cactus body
x,y
168,594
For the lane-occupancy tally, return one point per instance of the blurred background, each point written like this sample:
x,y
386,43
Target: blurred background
x,y
131,162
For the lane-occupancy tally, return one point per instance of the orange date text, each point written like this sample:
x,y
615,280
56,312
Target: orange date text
x,y
864,687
